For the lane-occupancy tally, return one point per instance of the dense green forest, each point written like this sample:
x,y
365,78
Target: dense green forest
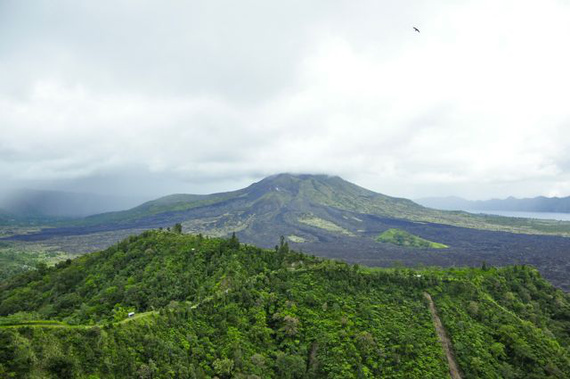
x,y
208,307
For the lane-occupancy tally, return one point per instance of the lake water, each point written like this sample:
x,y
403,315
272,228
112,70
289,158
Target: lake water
x,y
538,215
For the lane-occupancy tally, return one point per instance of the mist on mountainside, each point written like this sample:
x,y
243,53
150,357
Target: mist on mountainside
x,y
42,203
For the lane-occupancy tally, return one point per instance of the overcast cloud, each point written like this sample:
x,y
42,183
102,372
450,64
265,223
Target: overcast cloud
x,y
154,97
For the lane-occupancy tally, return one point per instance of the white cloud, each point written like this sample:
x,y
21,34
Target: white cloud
x,y
202,93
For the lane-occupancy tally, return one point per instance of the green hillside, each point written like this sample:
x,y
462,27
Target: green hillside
x,y
403,238
209,307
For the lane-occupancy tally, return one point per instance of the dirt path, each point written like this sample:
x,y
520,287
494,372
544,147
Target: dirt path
x,y
40,324
444,339
57,324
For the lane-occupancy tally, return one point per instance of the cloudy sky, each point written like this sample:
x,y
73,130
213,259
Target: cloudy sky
x,y
155,97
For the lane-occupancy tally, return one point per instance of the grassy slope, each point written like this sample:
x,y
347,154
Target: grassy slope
x,y
231,310
341,194
403,238
171,203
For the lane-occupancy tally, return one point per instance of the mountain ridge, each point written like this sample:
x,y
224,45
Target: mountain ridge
x,y
302,193
293,184
296,190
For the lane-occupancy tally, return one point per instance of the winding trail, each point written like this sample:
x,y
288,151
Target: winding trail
x,y
444,339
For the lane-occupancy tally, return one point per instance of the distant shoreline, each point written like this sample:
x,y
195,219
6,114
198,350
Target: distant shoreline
x,y
524,214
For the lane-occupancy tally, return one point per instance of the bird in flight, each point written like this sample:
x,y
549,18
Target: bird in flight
x,y
416,29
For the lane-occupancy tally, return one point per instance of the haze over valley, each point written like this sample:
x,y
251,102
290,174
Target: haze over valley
x,y
549,206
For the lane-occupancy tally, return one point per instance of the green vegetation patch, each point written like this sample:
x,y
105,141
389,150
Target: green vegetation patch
x,y
324,224
402,238
296,239
21,258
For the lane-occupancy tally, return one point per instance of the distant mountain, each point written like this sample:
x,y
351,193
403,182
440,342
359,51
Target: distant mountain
x,y
286,203
27,203
281,194
535,204
448,203
165,304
